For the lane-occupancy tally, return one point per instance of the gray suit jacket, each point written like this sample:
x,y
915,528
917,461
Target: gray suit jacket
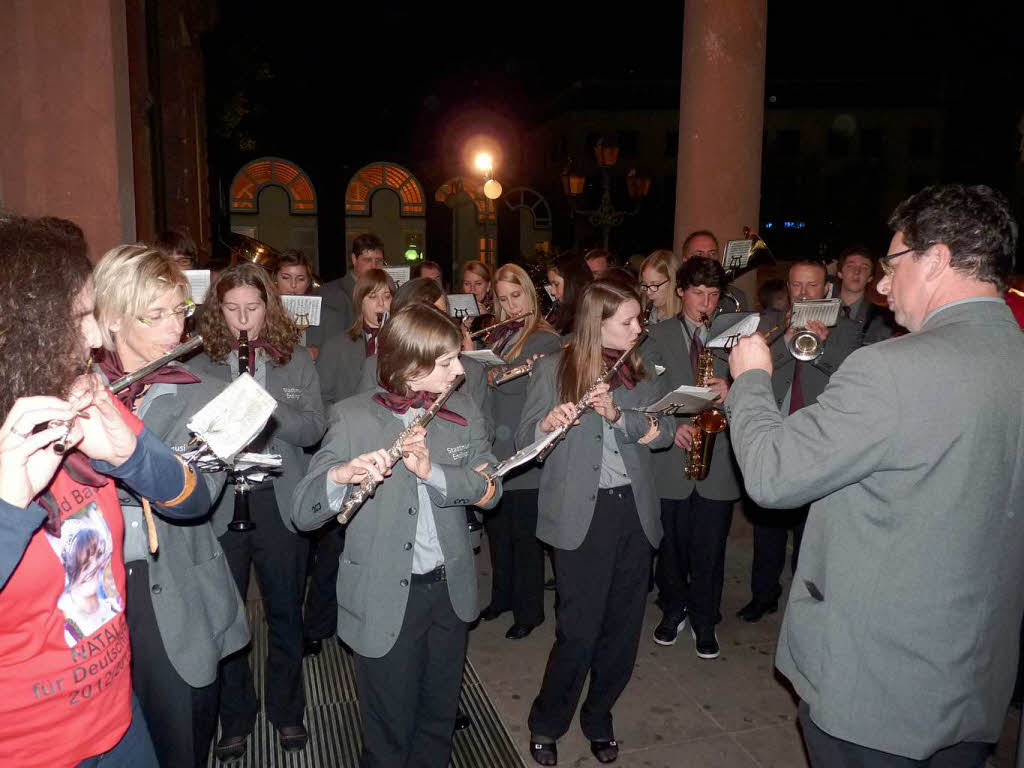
x,y
297,422
878,322
340,367
572,472
902,627
373,580
198,610
668,346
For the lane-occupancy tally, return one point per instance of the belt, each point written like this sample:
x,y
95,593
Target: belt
x,y
429,578
618,490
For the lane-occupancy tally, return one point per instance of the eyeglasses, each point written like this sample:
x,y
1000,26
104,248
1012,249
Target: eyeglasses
x,y
887,268
652,287
709,254
157,317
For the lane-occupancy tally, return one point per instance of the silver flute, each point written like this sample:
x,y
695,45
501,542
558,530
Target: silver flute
x,y
60,446
369,485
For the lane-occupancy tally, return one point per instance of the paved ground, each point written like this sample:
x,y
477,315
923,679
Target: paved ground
x,y
678,711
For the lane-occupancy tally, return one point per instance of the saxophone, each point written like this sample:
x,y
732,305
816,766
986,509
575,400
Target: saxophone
x,y
707,424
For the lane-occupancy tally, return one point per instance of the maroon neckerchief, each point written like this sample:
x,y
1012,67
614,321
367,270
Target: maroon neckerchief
x,y
402,403
255,344
499,338
112,368
624,375
371,334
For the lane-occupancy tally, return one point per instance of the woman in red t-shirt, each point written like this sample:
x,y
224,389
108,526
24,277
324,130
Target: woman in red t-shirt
x,y
65,690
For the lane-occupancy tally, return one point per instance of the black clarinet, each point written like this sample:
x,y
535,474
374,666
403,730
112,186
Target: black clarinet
x,y
242,521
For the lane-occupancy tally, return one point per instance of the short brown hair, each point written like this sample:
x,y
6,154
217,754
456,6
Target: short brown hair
x,y
366,242
856,250
410,343
293,258
173,241
371,281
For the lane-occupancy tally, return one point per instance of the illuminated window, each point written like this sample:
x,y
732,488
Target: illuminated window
x,y
248,182
452,187
370,178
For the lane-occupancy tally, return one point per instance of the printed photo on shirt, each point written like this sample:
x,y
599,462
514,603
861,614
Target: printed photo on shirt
x,y
90,598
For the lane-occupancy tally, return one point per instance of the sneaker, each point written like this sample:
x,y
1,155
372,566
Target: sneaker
x,y
706,642
669,628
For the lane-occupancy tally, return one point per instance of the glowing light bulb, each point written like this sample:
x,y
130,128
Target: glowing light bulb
x,y
484,162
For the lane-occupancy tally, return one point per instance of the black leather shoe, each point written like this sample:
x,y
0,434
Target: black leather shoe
x,y
605,751
312,647
755,610
544,753
230,748
462,721
519,631
490,613
292,737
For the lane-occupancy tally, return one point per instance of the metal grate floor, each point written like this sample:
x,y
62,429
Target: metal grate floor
x,y
333,721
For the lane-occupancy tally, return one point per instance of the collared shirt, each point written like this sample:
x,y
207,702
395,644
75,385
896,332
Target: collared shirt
x,y
854,310
958,302
613,469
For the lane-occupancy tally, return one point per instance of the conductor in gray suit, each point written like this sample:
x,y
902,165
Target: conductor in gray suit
x,y
901,631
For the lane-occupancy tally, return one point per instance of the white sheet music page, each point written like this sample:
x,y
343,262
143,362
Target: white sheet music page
x,y
737,254
305,310
399,274
463,305
233,419
683,401
825,311
735,332
199,282
485,356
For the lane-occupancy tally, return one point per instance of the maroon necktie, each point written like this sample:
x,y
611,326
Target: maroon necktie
x,y
114,370
624,375
402,403
371,338
696,350
796,395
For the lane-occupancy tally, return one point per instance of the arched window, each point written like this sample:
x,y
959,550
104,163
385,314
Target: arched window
x,y
248,182
451,188
374,176
532,200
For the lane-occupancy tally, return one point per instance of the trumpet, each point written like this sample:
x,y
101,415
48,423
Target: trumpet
x,y
369,485
488,329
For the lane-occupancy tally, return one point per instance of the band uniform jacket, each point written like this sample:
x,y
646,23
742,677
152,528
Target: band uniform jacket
x,y
903,621
198,610
571,474
843,339
340,367
507,403
667,345
297,422
376,564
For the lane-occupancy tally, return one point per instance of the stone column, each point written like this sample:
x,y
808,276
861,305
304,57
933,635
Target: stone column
x,y
66,147
721,118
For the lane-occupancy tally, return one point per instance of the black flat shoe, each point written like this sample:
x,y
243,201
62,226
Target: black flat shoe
x,y
544,754
490,613
312,647
605,751
519,631
292,737
462,721
755,610
230,748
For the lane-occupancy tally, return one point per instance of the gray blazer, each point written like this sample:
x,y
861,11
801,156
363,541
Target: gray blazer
x,y
339,367
668,346
902,627
373,579
297,422
200,615
507,403
878,322
571,473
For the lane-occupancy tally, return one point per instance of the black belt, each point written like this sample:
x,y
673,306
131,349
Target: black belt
x,y
429,578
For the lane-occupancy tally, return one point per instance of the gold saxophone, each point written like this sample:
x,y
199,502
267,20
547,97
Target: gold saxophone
x,y
707,424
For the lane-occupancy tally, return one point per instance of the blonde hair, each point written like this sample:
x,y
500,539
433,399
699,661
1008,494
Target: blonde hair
x,y
484,271
371,281
582,360
666,264
129,278
513,273
410,342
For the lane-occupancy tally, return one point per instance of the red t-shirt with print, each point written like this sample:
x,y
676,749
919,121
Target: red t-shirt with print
x,y
65,660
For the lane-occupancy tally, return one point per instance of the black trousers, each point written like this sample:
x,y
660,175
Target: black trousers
x,y
280,559
827,751
691,561
517,560
602,593
321,615
771,532
409,697
182,719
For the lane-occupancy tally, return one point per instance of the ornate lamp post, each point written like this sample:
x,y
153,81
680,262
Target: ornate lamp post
x,y
606,215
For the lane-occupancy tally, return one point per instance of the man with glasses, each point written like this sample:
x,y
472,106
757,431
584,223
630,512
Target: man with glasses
x,y
704,244
901,630
856,271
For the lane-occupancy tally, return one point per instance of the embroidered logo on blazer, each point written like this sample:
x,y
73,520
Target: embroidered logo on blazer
x,y
292,393
458,452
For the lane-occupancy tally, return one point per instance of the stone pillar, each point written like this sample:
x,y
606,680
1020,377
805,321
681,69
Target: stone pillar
x,y
66,147
721,118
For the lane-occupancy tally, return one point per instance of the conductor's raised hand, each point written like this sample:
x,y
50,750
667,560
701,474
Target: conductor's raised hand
x,y
750,352
415,454
375,465
27,460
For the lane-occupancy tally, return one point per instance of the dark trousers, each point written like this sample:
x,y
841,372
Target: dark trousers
x,y
280,559
409,697
321,620
517,560
771,532
827,751
691,561
134,750
602,593
182,720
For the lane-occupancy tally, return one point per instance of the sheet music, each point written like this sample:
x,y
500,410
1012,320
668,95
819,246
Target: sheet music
x,y
684,401
737,254
529,453
305,310
231,421
463,305
199,282
825,311
736,331
399,274
550,292
485,356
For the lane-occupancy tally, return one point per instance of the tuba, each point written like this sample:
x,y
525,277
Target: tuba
x,y
707,424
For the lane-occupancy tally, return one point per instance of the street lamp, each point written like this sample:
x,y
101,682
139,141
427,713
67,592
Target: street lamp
x,y
492,191
606,215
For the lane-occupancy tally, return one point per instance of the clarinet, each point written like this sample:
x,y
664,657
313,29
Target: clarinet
x,y
369,485
584,403
242,520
